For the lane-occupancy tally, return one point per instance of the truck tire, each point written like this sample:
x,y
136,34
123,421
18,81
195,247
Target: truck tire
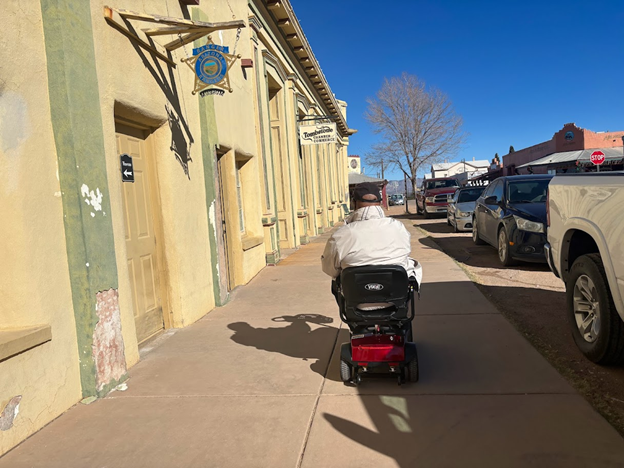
x,y
597,329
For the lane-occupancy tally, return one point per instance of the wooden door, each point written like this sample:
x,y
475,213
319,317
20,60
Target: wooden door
x,y
282,175
225,279
140,219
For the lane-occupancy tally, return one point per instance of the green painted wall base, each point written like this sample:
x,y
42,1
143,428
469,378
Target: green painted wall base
x,y
79,139
304,240
272,258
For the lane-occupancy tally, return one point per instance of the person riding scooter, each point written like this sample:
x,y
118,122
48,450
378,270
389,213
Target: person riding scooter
x,y
374,281
369,238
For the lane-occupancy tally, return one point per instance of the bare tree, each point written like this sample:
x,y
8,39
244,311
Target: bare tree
x,y
418,125
379,161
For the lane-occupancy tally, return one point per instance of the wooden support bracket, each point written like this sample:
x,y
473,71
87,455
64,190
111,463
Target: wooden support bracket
x,y
186,30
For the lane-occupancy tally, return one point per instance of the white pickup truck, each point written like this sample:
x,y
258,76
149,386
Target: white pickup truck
x,y
586,250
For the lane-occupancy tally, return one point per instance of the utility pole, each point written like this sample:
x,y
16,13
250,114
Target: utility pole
x,y
382,170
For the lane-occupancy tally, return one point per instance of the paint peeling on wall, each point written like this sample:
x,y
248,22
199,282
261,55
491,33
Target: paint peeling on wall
x,y
92,198
212,220
108,345
10,412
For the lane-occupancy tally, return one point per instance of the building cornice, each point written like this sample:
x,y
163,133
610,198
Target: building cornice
x,y
288,24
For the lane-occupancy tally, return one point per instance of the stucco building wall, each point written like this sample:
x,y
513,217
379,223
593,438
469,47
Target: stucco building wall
x,y
213,159
34,278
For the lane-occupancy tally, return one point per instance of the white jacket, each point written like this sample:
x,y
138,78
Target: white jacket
x,y
369,238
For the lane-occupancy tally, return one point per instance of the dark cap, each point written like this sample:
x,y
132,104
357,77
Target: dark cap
x,y
366,188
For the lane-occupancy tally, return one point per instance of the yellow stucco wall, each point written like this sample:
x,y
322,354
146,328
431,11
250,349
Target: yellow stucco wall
x,y
34,278
140,89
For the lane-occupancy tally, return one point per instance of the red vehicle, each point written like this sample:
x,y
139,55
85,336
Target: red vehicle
x,y
435,195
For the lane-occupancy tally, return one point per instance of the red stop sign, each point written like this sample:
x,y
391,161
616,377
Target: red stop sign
x,y
597,157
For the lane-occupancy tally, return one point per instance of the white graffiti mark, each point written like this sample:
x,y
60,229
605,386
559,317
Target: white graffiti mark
x,y
92,198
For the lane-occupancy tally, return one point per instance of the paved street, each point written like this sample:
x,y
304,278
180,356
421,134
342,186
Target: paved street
x,y
533,299
256,384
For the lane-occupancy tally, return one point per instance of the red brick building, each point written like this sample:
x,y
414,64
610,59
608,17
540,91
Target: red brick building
x,y
568,149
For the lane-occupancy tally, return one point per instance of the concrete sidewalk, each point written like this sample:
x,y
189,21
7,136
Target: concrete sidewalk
x,y
256,384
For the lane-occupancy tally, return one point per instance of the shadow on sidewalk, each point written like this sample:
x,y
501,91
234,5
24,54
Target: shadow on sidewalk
x,y
297,340
394,437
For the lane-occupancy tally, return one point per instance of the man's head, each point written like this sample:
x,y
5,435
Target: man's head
x,y
366,194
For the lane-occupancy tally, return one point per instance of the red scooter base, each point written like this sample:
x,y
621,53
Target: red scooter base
x,y
378,353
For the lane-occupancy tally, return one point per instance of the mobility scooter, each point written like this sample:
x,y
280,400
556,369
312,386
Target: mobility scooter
x,y
377,303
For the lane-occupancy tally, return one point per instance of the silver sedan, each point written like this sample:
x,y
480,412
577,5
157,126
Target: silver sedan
x,y
461,207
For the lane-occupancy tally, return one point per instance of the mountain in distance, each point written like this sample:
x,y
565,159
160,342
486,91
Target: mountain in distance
x,y
398,186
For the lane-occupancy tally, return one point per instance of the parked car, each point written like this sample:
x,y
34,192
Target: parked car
x,y
461,207
510,214
585,233
397,199
435,195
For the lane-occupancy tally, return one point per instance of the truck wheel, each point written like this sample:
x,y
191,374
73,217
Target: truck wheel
x,y
503,248
475,234
597,328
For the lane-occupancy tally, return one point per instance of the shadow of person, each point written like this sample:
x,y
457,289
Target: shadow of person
x,y
298,339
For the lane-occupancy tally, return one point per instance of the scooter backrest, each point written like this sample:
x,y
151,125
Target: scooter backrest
x,y
374,283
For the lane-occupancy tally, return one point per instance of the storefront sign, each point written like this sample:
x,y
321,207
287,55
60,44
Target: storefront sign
x,y
318,134
127,168
211,64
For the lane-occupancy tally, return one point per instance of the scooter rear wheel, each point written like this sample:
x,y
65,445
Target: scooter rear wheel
x,y
346,372
411,370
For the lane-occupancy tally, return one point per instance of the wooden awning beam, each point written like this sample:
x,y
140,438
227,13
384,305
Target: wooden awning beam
x,y
164,31
190,37
187,30
116,21
177,21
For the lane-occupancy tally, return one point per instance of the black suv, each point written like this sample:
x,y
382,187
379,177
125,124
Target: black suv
x,y
511,216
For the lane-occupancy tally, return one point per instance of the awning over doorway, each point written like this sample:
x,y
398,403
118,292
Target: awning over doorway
x,y
355,178
580,157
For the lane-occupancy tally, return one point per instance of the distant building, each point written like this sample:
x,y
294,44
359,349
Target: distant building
x,y
569,149
449,169
355,164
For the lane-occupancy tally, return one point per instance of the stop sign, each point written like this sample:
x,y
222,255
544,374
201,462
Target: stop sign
x,y
597,157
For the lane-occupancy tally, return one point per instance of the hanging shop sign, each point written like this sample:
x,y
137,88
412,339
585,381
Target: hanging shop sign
x,y
211,64
318,134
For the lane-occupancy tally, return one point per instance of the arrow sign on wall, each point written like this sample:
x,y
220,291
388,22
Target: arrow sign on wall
x,y
127,169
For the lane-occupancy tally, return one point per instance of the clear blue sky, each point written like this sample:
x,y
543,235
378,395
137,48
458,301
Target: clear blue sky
x,y
516,71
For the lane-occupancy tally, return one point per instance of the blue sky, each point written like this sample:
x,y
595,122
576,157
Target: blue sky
x,y
516,71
